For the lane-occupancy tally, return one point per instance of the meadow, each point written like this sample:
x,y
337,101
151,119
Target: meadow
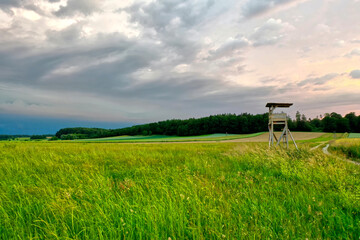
x,y
349,147
51,190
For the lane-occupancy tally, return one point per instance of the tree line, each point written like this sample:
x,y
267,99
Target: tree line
x,y
224,123
32,137
11,137
38,137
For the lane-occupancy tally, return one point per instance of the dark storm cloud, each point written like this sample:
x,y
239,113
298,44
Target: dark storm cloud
x,y
90,63
198,95
192,87
104,67
115,78
181,86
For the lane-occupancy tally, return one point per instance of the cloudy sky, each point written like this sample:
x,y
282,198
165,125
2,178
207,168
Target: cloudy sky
x,y
135,61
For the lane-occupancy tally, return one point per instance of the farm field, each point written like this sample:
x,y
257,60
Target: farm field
x,y
297,136
255,137
175,191
354,135
164,138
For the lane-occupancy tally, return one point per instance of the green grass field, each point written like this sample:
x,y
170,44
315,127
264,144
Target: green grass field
x,y
175,191
164,138
354,135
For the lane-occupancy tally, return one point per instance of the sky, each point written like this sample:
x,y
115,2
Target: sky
x,y
117,63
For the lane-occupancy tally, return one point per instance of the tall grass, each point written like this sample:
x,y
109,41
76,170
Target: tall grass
x,y
349,147
177,191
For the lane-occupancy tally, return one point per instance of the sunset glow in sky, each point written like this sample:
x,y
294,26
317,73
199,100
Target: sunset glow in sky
x,y
142,61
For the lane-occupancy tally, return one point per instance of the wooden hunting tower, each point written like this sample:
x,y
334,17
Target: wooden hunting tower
x,y
279,119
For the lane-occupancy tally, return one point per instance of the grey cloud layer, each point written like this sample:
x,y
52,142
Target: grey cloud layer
x,y
165,71
5,4
355,74
270,32
353,53
318,80
256,7
162,14
73,7
173,23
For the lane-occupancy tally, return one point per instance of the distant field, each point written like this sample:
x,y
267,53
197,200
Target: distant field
x,y
163,138
255,137
297,136
85,190
354,135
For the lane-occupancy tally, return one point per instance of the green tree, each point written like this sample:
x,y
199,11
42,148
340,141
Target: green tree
x,y
329,123
353,122
342,125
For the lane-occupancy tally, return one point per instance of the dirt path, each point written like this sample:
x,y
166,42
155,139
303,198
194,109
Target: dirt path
x,y
325,149
316,147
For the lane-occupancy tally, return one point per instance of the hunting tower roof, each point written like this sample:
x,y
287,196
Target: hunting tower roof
x,y
280,105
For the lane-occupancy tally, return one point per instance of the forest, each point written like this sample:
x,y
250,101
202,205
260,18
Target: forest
x,y
224,123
